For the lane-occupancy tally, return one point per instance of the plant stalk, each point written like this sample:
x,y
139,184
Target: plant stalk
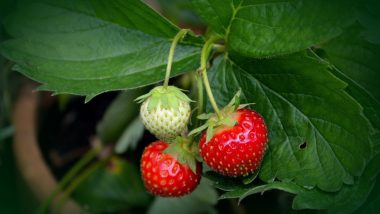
x,y
177,37
77,181
200,95
204,58
87,158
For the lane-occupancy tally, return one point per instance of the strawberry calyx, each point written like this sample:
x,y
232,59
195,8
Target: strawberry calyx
x,y
167,97
185,151
226,119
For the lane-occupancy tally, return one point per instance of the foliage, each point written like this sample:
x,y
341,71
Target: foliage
x,y
311,67
118,186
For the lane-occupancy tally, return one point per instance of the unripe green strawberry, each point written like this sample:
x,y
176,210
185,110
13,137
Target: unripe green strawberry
x,y
165,112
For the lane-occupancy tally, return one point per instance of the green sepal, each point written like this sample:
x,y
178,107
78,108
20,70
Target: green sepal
x,y
164,100
245,105
153,102
228,121
235,101
185,152
205,116
209,132
226,118
197,155
172,101
199,129
142,98
168,97
191,162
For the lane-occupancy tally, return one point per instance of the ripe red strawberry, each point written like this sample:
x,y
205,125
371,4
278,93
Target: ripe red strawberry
x,y
236,150
164,175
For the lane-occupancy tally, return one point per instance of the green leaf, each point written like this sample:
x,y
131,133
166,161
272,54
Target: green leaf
x,y
200,201
217,14
131,136
223,182
115,187
137,15
243,193
370,19
355,61
267,28
90,56
303,104
375,139
134,15
348,199
119,115
372,203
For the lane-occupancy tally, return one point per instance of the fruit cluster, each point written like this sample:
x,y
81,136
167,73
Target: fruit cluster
x,y
233,140
167,169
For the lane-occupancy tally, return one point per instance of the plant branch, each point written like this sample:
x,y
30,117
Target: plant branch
x,y
177,37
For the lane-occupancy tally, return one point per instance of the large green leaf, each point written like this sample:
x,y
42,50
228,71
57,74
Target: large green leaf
x,y
369,17
217,14
364,193
224,182
72,50
261,28
303,104
348,199
245,192
356,61
372,205
137,15
134,15
114,187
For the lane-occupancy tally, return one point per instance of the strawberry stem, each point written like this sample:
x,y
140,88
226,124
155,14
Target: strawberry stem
x,y
69,176
204,58
200,97
177,37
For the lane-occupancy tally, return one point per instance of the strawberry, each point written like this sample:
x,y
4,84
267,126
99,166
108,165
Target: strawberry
x,y
165,112
236,150
235,139
169,171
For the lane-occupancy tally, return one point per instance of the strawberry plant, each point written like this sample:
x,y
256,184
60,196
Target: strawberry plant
x,y
282,95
